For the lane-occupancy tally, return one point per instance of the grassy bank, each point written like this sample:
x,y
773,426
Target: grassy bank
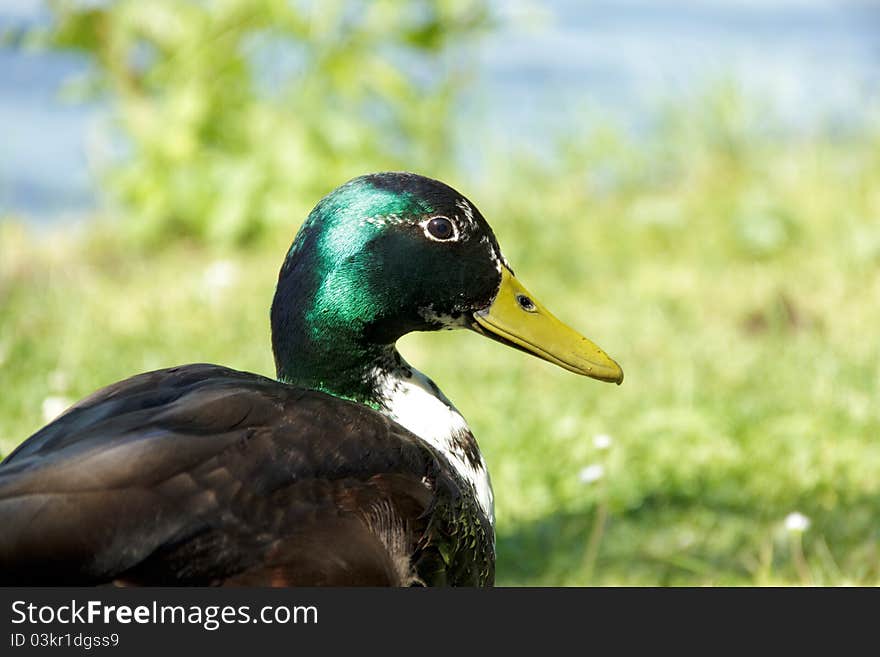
x,y
738,286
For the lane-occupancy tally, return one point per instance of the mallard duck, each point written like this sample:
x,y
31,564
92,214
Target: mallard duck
x,y
350,468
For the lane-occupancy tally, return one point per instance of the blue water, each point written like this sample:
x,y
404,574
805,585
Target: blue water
x,y
817,63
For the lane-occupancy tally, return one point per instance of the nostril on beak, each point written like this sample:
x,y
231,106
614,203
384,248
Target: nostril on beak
x,y
525,303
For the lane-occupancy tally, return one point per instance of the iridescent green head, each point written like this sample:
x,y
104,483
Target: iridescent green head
x,y
383,255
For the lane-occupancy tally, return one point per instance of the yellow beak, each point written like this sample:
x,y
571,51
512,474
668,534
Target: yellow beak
x,y
515,318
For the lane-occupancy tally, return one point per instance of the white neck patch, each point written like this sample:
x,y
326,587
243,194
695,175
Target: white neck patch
x,y
414,401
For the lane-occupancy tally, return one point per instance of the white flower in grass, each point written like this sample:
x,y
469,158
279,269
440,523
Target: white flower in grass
x,y
592,473
219,275
797,523
602,441
54,406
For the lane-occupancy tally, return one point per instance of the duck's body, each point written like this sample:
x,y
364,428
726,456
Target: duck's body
x,y
351,468
205,475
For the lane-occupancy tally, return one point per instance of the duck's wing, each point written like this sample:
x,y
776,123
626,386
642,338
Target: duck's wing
x,y
205,475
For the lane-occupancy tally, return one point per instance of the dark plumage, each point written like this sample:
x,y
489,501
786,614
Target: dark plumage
x,y
208,475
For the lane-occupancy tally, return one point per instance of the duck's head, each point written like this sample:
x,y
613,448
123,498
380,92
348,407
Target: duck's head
x,y
390,253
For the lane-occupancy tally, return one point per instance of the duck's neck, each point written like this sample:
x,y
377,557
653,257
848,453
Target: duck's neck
x,y
414,401
379,377
336,365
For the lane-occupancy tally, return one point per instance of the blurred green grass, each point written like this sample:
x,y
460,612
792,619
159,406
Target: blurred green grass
x,y
736,279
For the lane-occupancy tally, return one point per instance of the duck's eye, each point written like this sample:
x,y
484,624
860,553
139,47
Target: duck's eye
x,y
440,228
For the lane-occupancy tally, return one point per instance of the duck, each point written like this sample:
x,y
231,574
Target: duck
x,y
349,468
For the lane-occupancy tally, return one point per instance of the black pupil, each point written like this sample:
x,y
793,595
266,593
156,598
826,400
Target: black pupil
x,y
440,227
